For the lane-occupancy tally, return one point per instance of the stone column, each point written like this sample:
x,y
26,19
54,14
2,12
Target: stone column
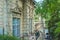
x,y
25,17
2,16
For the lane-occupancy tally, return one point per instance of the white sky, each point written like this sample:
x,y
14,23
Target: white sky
x,y
38,0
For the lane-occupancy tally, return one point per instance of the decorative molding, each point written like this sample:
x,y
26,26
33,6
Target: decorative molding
x,y
17,9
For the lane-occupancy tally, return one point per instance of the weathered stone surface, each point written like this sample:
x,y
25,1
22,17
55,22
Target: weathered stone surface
x,y
22,10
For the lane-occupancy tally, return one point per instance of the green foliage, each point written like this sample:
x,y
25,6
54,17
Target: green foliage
x,y
57,30
50,10
36,18
5,37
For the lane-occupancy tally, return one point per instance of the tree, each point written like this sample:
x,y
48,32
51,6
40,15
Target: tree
x,y
50,10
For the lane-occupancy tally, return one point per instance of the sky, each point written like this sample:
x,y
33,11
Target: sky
x,y
38,0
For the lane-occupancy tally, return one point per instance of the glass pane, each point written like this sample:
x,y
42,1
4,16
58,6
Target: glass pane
x,y
16,27
15,32
1,30
14,21
30,24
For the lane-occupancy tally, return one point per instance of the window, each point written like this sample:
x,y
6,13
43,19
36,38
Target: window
x,y
16,27
1,31
30,24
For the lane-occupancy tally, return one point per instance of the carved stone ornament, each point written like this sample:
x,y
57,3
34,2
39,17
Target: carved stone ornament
x,y
16,9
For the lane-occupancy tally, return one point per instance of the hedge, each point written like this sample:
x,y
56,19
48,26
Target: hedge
x,y
5,37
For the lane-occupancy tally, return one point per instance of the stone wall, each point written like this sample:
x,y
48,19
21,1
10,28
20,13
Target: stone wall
x,y
28,16
25,8
15,6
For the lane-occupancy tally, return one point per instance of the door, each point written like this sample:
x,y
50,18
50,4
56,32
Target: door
x,y
16,27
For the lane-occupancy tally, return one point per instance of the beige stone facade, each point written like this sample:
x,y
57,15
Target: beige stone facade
x,y
40,26
16,9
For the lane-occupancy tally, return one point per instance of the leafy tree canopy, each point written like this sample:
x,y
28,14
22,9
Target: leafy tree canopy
x,y
50,10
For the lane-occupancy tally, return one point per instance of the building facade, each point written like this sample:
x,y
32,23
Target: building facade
x,y
16,17
40,26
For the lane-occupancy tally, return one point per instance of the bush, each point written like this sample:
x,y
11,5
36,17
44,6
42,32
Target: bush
x,y
5,37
